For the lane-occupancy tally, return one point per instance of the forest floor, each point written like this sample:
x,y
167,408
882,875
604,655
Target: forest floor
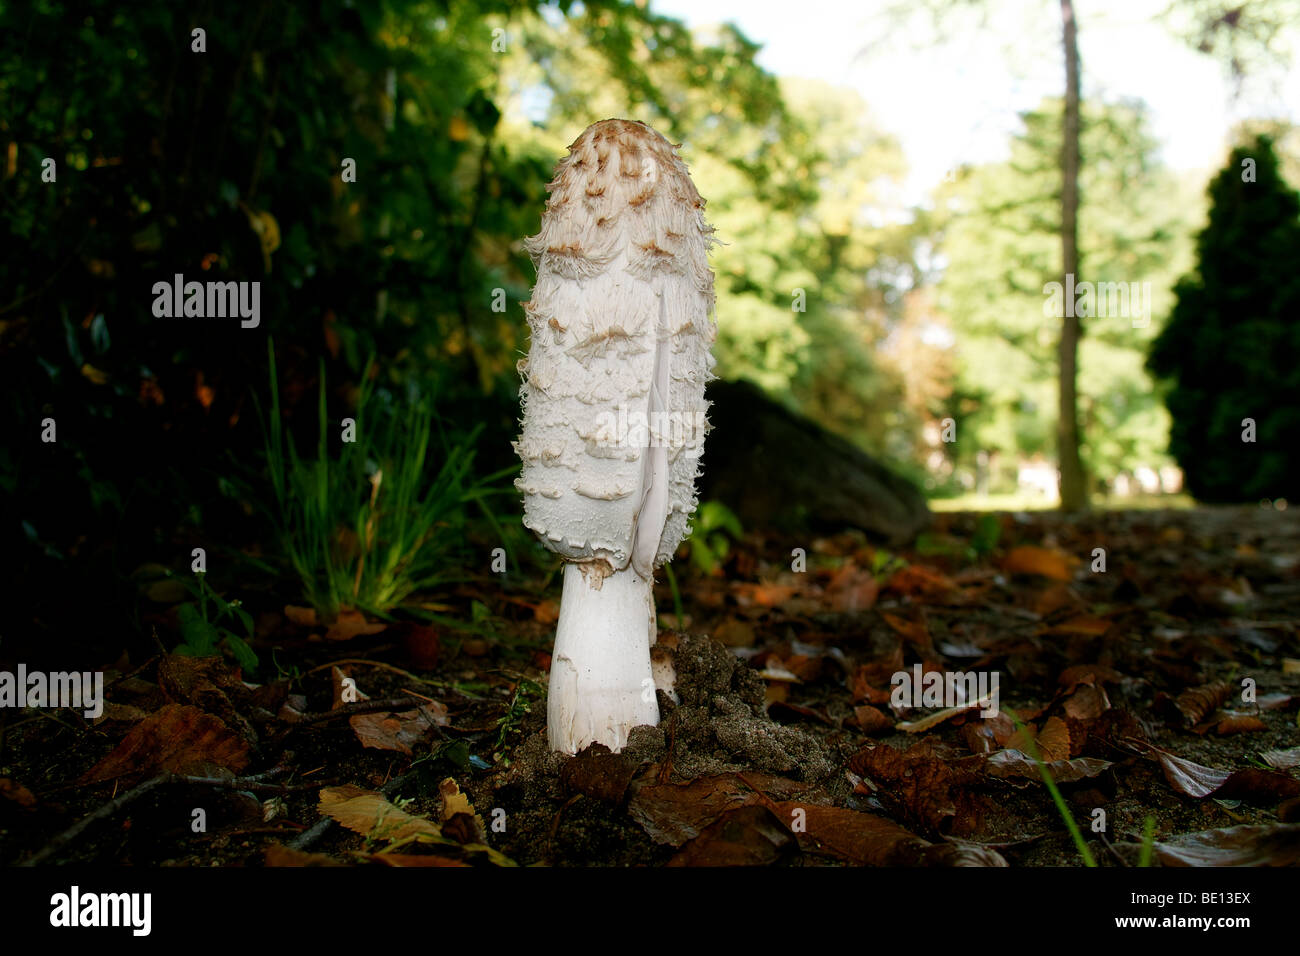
x,y
1148,687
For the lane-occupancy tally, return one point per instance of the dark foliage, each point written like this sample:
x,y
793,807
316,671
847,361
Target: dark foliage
x,y
1232,345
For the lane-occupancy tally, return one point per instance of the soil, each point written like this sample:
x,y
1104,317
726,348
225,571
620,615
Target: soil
x,y
1184,647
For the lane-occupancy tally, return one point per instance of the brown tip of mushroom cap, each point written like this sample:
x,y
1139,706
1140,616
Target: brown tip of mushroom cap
x,y
620,323
633,190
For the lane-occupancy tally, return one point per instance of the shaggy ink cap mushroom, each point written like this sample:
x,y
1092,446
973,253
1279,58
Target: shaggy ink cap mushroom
x,y
621,324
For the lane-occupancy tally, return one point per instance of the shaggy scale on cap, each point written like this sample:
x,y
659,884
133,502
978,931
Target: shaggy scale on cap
x,y
623,289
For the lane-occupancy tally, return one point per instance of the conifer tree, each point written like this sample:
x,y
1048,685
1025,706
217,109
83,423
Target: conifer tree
x,y
1231,349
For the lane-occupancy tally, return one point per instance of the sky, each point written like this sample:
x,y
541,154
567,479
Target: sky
x,y
958,103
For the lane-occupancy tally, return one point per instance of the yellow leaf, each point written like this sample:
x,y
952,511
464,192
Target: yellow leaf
x,y
94,375
453,801
458,131
266,228
1044,562
370,814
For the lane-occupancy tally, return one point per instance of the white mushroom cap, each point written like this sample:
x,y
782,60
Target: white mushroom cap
x,y
621,327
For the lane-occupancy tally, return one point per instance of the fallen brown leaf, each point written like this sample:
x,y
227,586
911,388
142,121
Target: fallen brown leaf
x,y
547,612
1252,785
914,632
1019,769
413,859
1195,703
1258,786
301,616
128,713
1188,777
1091,674
865,839
1235,846
352,623
764,595
734,633
852,588
598,773
1241,724
745,836
210,683
919,579
871,681
674,813
1087,702
399,731
871,720
178,738
15,792
925,787
1054,741
279,855
1054,598
1275,702
783,712
1082,625
1282,759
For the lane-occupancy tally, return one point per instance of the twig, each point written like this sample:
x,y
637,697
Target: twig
x,y
107,810
305,839
253,782
287,827
763,798
555,823
369,663
129,674
238,783
359,707
1113,852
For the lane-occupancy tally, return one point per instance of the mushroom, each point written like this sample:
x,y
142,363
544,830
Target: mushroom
x,y
614,412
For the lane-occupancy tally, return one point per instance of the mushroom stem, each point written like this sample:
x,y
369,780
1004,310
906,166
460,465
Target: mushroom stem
x,y
601,684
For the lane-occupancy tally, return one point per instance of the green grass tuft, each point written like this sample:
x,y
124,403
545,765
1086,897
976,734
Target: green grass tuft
x,y
367,522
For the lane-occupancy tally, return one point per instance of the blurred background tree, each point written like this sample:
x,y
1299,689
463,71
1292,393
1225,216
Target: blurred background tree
x,y
1232,345
999,239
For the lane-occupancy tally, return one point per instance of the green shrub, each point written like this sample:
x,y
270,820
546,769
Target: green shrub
x,y
1232,345
383,515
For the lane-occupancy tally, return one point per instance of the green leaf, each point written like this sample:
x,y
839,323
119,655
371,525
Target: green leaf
x,y
241,651
987,533
196,633
714,515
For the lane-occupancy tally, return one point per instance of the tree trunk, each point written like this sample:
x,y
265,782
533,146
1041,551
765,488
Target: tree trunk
x,y
1074,487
